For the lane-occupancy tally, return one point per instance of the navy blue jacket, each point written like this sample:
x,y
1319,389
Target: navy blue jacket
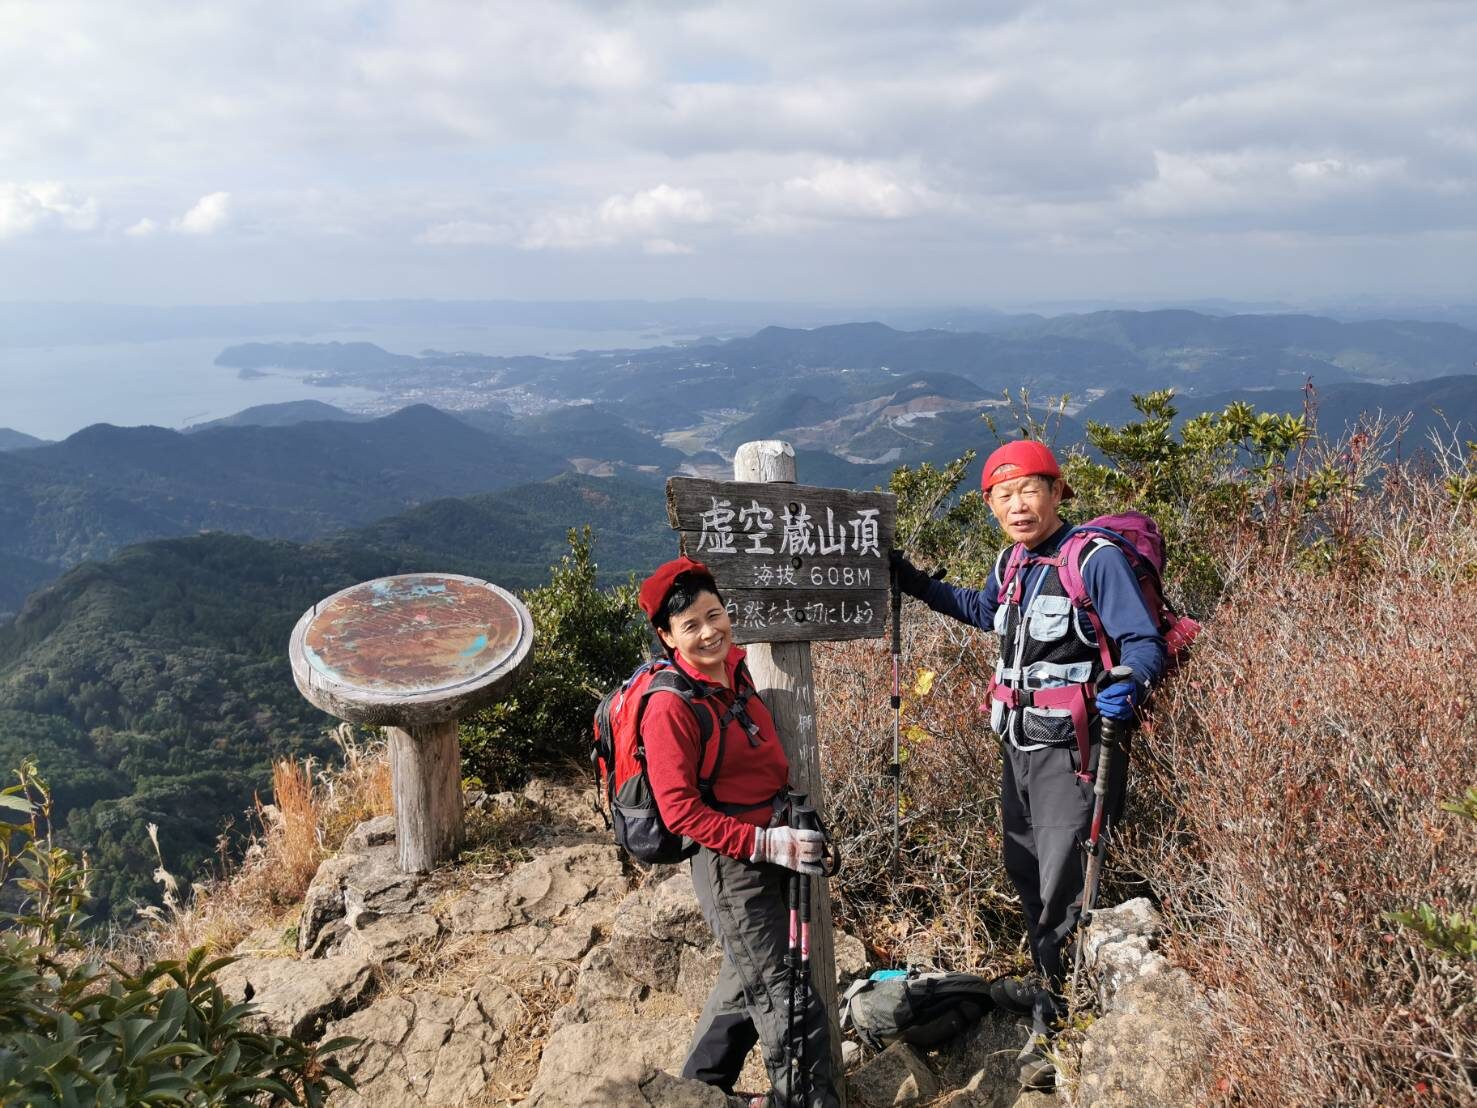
x,y
1111,585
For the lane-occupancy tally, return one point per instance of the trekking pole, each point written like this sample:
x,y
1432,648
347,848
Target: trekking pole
x,y
896,769
804,816
793,1045
1111,739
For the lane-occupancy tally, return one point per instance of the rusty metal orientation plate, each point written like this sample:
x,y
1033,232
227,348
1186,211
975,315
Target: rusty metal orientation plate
x,y
417,648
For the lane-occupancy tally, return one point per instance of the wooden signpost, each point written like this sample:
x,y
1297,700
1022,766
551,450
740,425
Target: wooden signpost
x,y
796,564
412,654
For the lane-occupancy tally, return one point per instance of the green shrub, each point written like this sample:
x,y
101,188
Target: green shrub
x,y
1453,933
74,1031
585,641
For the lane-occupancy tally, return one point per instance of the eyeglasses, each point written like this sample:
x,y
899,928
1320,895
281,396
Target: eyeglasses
x,y
1026,490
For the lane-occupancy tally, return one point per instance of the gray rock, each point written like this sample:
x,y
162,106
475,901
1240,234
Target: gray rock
x,y
324,901
379,831
375,887
1151,1050
851,959
606,1061
391,937
540,891
428,1048
294,997
661,1090
651,928
897,1076
982,1062
1120,947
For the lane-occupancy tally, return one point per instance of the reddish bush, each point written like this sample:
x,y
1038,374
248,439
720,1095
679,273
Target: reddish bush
x,y
1285,797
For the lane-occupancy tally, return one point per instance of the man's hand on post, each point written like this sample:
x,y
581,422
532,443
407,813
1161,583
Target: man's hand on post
x,y
910,579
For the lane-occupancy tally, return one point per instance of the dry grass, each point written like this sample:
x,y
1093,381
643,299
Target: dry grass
x,y
311,812
1288,803
946,899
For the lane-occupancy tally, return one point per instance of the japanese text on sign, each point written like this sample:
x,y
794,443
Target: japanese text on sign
x,y
796,532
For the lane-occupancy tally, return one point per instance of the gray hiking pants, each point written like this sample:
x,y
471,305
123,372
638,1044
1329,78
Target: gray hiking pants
x,y
1046,814
746,906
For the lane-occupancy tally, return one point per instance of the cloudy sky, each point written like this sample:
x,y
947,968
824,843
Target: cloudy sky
x,y
962,151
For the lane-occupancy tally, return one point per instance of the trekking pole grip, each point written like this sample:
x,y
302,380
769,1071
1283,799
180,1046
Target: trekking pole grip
x,y
1111,727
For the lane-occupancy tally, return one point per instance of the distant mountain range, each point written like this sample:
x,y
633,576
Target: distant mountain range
x,y
838,370
17,440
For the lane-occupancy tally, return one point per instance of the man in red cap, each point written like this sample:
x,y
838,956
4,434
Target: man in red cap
x,y
1048,652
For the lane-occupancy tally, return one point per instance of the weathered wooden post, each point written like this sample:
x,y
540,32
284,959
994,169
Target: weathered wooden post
x,y
795,564
413,654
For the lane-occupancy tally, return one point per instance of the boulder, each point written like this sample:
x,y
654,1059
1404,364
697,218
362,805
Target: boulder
x,y
897,1076
1151,1050
294,997
653,928
605,1061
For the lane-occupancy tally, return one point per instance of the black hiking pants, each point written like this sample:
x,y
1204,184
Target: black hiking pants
x,y
1046,814
745,904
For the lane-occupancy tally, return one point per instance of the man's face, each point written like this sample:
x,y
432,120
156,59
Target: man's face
x,y
1026,507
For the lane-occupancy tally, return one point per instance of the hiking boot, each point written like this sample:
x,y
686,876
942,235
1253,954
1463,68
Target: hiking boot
x,y
1034,1069
1014,994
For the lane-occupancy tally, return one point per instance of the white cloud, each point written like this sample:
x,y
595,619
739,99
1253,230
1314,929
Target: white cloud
x,y
851,190
466,232
654,208
925,135
142,229
647,213
665,246
209,214
25,208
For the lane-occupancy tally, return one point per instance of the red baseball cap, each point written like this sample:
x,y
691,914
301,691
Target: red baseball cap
x,y
655,588
1022,458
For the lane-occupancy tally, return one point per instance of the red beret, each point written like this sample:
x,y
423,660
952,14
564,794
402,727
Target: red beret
x,y
1022,458
655,588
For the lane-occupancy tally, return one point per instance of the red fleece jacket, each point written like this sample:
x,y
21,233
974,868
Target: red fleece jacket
x,y
749,774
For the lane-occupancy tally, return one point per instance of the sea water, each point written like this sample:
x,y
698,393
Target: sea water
x,y
52,391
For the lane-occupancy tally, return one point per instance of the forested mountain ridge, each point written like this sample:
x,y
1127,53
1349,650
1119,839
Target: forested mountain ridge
x,y
154,686
106,486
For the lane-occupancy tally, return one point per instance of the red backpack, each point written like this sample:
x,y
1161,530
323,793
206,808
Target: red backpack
x,y
619,757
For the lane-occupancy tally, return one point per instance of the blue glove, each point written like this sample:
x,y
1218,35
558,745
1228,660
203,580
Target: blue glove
x,y
1119,701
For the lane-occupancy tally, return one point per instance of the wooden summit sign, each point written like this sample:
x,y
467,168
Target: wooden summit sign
x,y
795,563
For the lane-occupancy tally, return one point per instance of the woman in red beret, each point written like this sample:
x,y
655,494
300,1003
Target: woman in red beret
x,y
725,797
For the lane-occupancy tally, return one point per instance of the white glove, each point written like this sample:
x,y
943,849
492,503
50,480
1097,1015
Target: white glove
x,y
790,847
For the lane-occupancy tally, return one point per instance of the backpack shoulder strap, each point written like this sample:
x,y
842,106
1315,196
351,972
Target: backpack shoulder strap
x,y
1014,558
1076,548
673,680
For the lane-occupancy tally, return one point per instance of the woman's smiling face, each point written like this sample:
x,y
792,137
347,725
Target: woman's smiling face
x,y
702,633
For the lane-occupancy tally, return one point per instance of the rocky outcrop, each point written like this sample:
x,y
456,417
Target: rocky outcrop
x,y
1150,1047
555,983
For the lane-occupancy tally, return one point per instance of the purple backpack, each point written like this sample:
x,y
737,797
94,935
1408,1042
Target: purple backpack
x,y
1142,544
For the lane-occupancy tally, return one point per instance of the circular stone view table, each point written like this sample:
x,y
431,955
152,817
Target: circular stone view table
x,y
412,654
